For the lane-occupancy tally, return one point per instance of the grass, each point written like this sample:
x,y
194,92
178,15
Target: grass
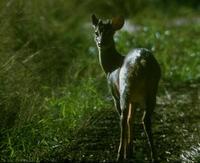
x,y
50,129
51,88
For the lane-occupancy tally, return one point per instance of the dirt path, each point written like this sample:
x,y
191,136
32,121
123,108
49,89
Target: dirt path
x,y
176,128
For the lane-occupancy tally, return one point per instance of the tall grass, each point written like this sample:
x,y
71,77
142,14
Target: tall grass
x,y
36,49
46,70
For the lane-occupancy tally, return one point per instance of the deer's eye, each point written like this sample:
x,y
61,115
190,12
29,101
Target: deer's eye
x,y
96,33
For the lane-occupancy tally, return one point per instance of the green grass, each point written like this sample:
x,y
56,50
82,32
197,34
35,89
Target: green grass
x,y
50,80
51,127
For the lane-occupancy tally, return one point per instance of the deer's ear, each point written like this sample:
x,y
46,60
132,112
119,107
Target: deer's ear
x,y
117,22
94,20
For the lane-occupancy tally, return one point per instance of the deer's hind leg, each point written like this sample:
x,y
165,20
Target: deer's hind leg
x,y
147,124
122,152
130,122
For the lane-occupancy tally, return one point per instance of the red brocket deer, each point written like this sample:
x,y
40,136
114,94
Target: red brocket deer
x,y
133,80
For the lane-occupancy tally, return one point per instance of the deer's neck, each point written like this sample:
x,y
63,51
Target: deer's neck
x,y
110,59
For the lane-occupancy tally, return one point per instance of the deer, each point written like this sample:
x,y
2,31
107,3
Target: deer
x,y
133,82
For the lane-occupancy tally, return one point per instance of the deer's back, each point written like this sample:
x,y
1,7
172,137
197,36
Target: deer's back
x,y
139,75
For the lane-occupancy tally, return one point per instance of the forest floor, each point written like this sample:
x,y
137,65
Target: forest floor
x,y
176,128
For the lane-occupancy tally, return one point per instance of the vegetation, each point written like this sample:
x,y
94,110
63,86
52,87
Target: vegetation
x,y
54,103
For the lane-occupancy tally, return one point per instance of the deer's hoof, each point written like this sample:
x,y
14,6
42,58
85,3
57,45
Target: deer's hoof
x,y
119,158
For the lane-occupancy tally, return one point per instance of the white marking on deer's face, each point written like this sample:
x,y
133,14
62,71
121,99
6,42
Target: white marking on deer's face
x,y
103,33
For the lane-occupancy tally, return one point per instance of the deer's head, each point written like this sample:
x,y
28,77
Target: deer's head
x,y
104,30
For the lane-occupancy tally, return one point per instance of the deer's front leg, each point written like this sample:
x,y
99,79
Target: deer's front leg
x,y
117,105
114,89
123,135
